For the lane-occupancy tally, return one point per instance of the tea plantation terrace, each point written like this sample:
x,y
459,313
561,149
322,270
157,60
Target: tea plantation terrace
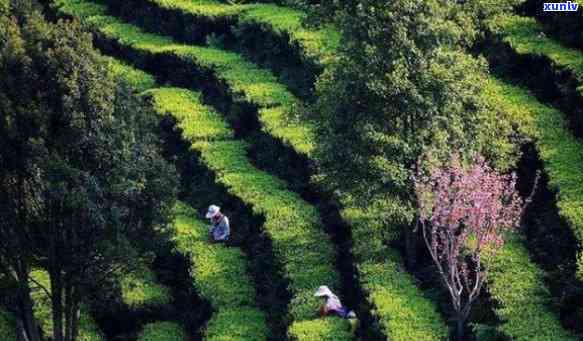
x,y
553,70
396,278
555,73
427,323
269,34
306,265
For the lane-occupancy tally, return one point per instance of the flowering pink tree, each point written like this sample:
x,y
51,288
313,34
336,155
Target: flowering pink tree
x,y
464,212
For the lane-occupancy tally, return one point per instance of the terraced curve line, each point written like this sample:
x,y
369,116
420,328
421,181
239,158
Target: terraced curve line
x,y
292,224
247,84
520,42
514,280
558,149
318,45
277,33
401,307
221,278
220,275
517,284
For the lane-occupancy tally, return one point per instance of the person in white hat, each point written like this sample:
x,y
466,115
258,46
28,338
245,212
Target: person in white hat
x,y
219,229
332,305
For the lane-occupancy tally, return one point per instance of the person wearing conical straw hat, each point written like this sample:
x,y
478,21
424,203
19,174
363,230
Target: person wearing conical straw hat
x,y
219,229
333,306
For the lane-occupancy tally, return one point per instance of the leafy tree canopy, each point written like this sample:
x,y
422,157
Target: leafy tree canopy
x,y
81,176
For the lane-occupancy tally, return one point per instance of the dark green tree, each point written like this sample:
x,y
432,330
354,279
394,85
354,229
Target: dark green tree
x,y
81,176
402,86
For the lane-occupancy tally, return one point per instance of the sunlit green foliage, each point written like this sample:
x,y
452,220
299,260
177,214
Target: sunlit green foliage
x,y
246,82
526,37
516,283
292,224
403,312
88,330
316,44
162,331
138,80
242,323
220,276
558,149
564,26
197,122
224,158
139,288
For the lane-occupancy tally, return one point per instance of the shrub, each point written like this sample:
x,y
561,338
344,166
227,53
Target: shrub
x,y
139,288
162,331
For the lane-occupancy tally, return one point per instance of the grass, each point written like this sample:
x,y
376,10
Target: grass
x,y
166,331
88,330
557,148
221,278
516,283
7,326
525,36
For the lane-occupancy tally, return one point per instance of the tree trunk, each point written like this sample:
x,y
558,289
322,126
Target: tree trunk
x,y
75,321
57,305
411,247
27,319
460,329
21,331
72,313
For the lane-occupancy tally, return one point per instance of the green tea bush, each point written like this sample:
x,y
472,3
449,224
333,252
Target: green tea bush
x,y
402,311
220,272
271,35
304,249
138,80
292,224
162,331
564,26
268,197
519,43
140,289
557,148
220,276
517,284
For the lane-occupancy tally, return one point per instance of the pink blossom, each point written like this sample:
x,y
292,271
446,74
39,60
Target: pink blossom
x,y
464,212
